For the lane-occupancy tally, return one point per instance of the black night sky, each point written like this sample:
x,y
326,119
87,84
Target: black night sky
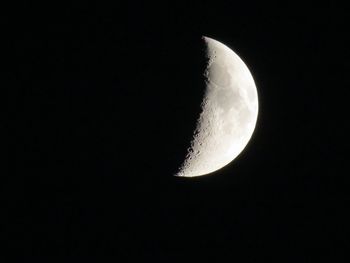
x,y
102,103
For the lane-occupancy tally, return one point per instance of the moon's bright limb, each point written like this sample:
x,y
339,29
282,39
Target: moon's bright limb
x,y
229,113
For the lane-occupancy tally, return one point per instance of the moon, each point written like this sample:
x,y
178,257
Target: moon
x,y
229,112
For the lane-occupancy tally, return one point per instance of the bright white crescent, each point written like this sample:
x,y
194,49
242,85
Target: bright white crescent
x,y
229,113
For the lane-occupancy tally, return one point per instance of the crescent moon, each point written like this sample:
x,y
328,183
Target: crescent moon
x,y
228,116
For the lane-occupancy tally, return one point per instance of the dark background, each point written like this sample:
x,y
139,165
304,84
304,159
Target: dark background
x,y
102,103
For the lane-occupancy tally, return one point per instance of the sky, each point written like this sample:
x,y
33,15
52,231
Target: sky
x,y
103,100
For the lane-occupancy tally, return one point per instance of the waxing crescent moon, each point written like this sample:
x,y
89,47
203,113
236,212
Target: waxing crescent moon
x,y
228,116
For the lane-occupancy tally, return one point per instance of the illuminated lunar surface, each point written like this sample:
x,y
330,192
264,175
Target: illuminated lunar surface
x,y
228,116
